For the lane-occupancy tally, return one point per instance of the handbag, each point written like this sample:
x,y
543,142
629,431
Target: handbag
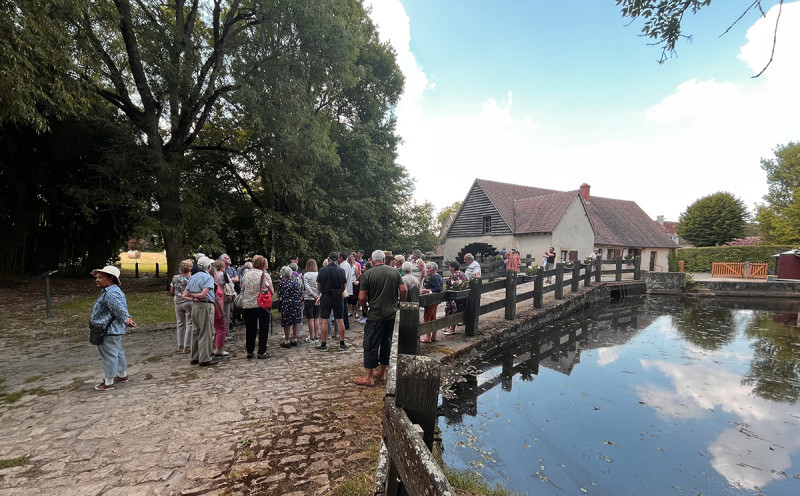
x,y
238,303
97,331
264,299
228,290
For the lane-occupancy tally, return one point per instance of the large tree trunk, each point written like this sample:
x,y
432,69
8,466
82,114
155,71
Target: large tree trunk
x,y
168,196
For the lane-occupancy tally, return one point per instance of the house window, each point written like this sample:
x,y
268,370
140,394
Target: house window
x,y
487,224
564,254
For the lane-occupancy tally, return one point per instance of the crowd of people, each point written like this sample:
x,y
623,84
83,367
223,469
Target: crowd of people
x,y
212,297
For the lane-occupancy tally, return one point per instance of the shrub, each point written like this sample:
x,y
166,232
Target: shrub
x,y
700,259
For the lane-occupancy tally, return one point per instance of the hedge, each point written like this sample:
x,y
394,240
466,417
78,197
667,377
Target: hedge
x,y
699,259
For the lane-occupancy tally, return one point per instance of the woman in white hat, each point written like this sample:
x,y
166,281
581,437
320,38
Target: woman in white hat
x,y
110,310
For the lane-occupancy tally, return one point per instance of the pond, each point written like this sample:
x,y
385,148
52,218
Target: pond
x,y
651,396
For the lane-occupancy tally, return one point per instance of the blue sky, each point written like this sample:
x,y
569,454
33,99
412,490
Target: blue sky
x,y
554,94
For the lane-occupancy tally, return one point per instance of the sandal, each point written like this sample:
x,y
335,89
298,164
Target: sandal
x,y
425,340
363,381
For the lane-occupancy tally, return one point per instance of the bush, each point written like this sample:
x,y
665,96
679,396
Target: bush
x,y
700,259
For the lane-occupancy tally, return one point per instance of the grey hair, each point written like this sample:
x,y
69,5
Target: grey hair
x,y
469,256
433,265
222,257
286,272
378,255
417,253
294,267
248,265
407,267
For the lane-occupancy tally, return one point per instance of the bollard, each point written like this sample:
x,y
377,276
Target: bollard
x,y
47,299
681,265
136,270
156,270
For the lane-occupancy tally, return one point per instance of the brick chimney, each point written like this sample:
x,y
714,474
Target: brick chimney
x,y
585,192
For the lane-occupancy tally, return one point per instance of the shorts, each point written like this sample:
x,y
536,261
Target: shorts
x,y
352,299
310,309
328,305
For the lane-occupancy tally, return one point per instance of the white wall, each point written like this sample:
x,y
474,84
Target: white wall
x,y
574,232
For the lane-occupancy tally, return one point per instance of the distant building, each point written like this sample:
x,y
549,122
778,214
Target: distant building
x,y
496,214
671,228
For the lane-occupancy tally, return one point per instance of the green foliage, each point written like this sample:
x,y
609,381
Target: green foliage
x,y
775,368
700,259
662,19
13,462
713,220
471,481
261,126
68,201
779,218
444,213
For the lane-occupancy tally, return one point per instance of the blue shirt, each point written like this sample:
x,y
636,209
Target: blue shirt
x,y
111,304
200,281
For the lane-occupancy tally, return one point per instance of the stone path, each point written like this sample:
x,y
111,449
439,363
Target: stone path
x,y
291,424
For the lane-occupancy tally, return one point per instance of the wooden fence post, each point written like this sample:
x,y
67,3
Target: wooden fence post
x,y
136,270
637,267
618,275
587,276
511,295
538,287
598,267
407,338
417,393
576,276
559,281
473,307
156,270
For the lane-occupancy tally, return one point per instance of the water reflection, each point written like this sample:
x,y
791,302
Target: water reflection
x,y
652,395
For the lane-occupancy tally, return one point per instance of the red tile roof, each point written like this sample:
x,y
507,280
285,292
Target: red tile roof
x,y
616,222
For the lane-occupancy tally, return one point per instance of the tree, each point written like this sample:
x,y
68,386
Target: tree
x,y
253,88
779,218
663,18
713,220
445,213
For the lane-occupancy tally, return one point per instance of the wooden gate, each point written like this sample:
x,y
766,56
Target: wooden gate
x,y
745,270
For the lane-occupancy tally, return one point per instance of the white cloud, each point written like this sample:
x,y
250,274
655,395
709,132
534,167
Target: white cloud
x,y
763,440
706,136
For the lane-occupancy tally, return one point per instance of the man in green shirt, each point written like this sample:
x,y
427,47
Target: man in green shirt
x,y
380,288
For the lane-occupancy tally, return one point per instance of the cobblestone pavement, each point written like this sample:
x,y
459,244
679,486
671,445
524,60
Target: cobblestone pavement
x,y
292,424
285,425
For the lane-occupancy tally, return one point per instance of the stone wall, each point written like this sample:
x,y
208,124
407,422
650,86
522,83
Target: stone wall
x,y
664,280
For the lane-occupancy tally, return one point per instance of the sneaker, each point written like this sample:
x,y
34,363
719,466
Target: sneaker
x,y
343,346
362,320
321,347
223,354
264,355
449,332
209,363
309,340
250,356
118,379
103,386
285,344
293,342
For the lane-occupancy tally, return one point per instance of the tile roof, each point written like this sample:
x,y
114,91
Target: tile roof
x,y
502,196
616,222
541,214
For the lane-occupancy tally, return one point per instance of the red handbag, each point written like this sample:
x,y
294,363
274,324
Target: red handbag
x,y
264,299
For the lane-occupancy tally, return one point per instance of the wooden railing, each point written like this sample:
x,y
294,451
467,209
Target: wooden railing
x,y
410,406
745,270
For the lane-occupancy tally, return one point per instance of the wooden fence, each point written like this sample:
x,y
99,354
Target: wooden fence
x,y
410,410
745,270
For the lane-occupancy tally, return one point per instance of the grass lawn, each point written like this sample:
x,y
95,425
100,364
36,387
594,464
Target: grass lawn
x,y
147,263
145,308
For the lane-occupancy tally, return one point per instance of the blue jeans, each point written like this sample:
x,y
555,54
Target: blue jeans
x,y
113,355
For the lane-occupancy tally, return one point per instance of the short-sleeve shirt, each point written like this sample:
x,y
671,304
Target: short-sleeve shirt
x,y
473,270
381,283
200,281
178,284
331,280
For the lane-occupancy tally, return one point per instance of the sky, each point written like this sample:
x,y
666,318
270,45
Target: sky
x,y
556,94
